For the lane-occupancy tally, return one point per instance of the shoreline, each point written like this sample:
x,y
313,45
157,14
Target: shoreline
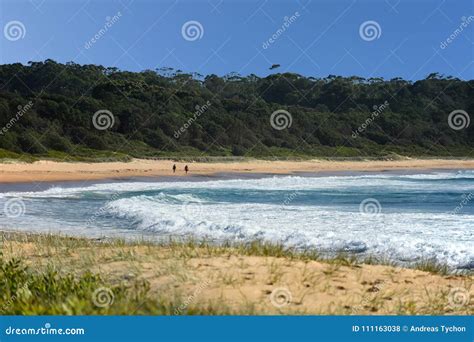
x,y
51,171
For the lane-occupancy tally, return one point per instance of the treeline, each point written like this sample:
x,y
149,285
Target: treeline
x,y
48,108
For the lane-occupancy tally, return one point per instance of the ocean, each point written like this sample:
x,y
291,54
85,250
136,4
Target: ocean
x,y
402,217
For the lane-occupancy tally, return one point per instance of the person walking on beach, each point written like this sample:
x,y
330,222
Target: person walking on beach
x,y
174,168
186,169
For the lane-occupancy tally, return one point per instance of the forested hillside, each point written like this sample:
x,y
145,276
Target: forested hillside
x,y
47,109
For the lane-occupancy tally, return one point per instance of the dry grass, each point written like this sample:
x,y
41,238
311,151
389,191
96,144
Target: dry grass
x,y
200,278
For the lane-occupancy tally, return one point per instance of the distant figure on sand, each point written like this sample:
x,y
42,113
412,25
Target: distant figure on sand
x,y
186,169
174,168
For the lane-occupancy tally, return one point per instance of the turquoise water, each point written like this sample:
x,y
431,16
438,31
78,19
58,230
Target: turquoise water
x,y
403,217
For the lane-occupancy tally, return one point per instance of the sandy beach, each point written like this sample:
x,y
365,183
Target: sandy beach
x,y
261,280
43,171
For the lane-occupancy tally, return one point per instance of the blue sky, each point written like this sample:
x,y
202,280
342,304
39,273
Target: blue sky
x,y
323,37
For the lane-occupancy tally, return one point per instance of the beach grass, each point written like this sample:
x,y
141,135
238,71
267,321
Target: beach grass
x,y
83,154
55,274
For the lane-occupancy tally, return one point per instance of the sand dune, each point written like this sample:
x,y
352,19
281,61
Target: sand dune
x,y
248,280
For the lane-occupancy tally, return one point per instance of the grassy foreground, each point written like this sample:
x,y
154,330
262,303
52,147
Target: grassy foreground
x,y
52,274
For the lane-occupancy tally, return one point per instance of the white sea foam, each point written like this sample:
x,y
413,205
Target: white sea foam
x,y
391,181
399,236
208,210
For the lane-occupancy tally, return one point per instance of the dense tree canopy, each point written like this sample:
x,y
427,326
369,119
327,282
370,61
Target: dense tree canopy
x,y
48,106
